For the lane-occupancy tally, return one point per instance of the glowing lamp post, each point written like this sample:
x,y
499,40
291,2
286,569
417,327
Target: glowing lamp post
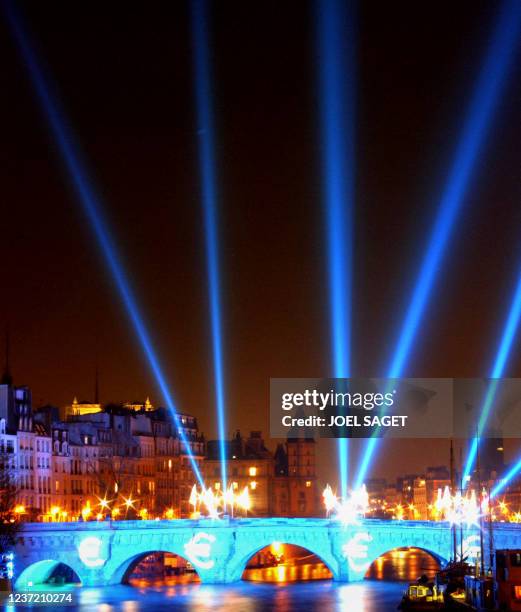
x,y
229,498
86,511
244,501
215,504
348,510
330,499
128,502
458,509
193,498
515,517
143,513
169,513
104,503
211,502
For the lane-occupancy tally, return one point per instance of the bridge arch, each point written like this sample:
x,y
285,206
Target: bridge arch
x,y
289,568
441,560
39,572
398,563
120,569
364,547
247,549
134,563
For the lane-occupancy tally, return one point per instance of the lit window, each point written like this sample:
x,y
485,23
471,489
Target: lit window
x,y
217,486
308,483
253,471
235,485
253,485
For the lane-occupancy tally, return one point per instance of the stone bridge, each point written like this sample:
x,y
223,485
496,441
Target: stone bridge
x,y
101,553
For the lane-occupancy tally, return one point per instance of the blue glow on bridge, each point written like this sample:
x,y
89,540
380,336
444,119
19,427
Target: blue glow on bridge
x,y
486,94
203,94
336,79
92,208
220,550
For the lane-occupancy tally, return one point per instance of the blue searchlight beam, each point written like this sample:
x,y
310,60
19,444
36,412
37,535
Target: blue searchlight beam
x,y
336,83
488,88
506,479
505,346
203,95
92,208
498,369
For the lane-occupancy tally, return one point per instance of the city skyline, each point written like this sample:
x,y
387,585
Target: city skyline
x,y
399,465
271,212
87,461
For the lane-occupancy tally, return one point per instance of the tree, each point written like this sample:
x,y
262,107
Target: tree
x,y
9,525
112,471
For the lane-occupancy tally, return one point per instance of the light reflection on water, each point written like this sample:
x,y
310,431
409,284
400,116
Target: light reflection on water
x,y
288,573
403,564
367,596
187,578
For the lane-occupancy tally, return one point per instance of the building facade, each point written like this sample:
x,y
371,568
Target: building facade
x,y
280,483
123,460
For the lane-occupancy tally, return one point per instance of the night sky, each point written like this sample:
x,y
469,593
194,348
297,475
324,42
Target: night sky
x,y
123,73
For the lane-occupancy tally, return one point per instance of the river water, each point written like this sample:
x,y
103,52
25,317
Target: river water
x,y
367,596
299,583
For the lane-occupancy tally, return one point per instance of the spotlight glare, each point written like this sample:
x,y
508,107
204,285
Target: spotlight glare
x,y
203,95
486,94
92,208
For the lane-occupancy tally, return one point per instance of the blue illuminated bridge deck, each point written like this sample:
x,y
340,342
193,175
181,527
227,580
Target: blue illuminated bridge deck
x,y
101,553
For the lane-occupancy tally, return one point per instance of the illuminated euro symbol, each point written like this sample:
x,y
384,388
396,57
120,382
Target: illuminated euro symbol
x,y
89,551
198,550
356,549
471,547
